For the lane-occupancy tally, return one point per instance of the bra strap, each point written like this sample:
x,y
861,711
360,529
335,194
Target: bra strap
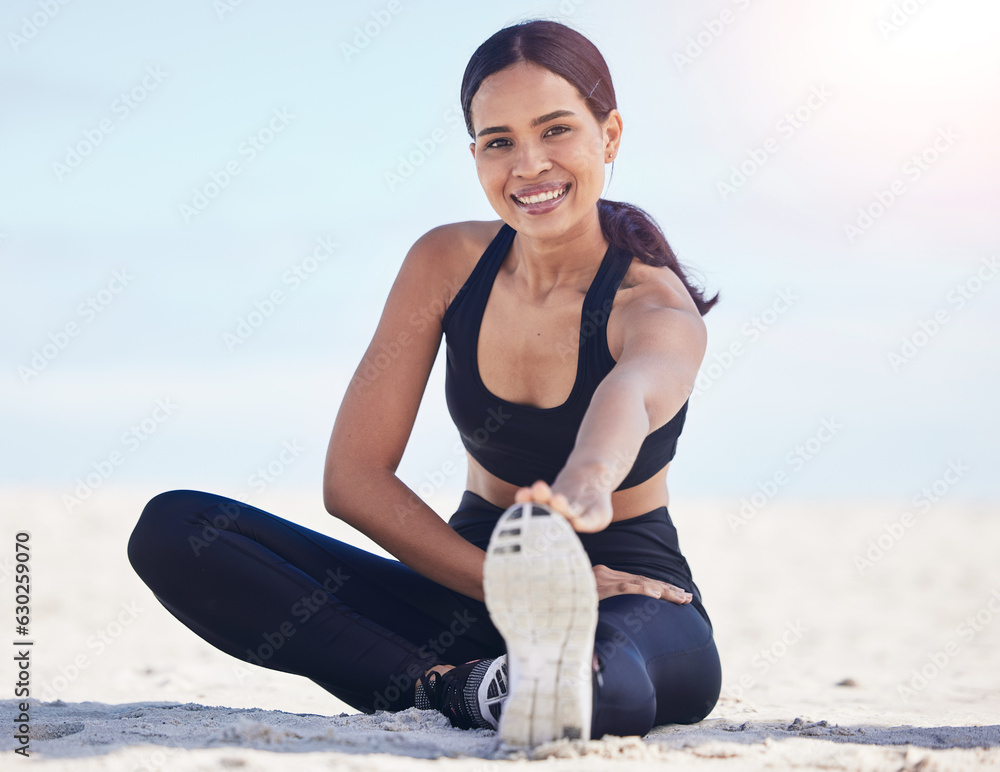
x,y
597,305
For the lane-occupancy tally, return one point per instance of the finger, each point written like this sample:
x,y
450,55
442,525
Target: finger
x,y
523,495
678,597
538,493
622,583
632,587
541,492
676,594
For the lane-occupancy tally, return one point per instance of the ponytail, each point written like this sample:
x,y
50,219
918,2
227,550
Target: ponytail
x,y
630,229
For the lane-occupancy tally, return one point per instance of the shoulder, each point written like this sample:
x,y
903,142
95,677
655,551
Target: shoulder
x,y
653,303
442,259
456,242
656,287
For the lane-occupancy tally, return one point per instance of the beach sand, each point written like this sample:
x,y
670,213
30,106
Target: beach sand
x,y
847,643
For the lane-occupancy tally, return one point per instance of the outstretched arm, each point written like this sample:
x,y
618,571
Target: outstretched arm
x,y
663,343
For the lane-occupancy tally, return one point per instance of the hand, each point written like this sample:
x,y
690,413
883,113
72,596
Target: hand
x,y
611,582
587,509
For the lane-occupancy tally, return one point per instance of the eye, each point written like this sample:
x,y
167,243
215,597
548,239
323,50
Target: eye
x,y
503,142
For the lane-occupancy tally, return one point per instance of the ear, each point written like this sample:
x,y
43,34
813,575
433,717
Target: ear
x,y
613,131
472,147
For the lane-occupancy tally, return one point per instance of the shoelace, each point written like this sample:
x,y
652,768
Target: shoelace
x,y
431,684
447,693
441,694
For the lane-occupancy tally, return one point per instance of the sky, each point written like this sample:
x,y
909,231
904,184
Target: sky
x,y
203,206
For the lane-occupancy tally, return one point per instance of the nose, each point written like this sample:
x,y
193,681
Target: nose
x,y
531,160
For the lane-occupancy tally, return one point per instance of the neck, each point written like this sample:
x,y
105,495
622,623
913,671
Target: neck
x,y
542,264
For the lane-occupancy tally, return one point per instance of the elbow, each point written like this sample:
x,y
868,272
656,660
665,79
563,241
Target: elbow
x,y
340,478
348,488
335,487
330,502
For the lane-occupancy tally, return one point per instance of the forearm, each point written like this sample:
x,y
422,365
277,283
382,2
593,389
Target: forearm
x,y
382,507
610,435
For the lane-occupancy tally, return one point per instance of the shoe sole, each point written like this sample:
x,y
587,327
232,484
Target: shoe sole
x,y
542,597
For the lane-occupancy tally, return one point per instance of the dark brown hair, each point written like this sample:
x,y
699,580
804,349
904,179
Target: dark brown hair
x,y
565,52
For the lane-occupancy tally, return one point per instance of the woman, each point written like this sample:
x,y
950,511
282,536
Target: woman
x,y
574,339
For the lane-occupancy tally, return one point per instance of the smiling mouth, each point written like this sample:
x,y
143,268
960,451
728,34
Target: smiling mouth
x,y
540,198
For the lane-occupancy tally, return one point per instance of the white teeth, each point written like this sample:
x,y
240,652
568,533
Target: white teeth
x,y
542,196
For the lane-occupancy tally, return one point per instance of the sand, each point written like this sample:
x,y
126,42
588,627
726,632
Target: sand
x,y
847,644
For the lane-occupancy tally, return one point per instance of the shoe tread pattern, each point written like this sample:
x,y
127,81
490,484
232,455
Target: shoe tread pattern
x,y
542,597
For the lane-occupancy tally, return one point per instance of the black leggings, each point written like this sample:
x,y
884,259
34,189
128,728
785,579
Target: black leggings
x,y
363,627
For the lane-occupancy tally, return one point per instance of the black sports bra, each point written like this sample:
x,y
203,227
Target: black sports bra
x,y
521,443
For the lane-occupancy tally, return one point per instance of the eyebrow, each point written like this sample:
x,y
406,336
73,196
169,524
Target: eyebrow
x,y
536,122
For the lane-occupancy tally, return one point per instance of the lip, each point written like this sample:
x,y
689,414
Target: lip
x,y
537,189
543,207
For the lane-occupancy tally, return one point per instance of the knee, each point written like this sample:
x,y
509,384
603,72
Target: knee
x,y
160,526
624,694
693,691
148,530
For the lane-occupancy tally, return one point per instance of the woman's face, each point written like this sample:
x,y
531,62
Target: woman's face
x,y
534,135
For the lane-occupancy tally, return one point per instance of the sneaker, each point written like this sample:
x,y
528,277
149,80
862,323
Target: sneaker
x,y
542,597
470,695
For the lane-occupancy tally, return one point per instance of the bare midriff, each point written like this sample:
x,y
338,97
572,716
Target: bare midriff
x,y
631,502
